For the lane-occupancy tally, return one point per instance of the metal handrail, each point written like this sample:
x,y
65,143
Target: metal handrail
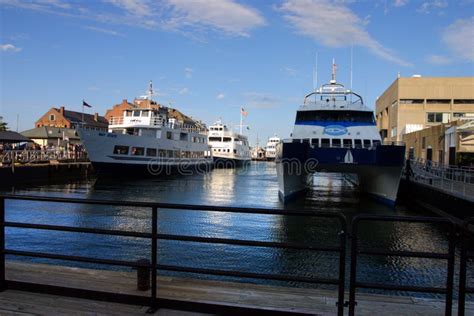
x,y
463,258
449,256
155,236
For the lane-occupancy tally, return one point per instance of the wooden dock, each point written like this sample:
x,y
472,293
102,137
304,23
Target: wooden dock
x,y
270,298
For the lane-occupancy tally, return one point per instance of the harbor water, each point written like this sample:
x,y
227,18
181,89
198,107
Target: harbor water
x,y
255,186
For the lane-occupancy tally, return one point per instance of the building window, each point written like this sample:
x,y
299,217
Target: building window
x,y
411,153
437,117
121,150
464,101
138,151
423,142
151,152
52,117
438,101
393,133
394,103
411,101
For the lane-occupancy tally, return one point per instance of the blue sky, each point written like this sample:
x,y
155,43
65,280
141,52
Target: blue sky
x,y
208,58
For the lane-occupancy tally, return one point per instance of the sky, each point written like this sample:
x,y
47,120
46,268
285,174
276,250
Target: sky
x,y
210,58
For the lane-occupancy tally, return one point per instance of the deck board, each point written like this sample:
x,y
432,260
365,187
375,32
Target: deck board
x,y
316,301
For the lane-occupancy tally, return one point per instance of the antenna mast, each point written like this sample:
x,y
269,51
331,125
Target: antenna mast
x,y
334,67
150,90
351,63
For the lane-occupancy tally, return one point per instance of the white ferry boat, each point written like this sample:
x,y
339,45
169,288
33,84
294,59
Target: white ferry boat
x,y
229,149
270,149
335,132
147,141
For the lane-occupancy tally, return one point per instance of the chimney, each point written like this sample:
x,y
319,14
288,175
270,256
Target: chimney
x,y
124,101
96,117
61,110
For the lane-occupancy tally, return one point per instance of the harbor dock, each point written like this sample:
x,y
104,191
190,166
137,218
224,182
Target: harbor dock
x,y
232,296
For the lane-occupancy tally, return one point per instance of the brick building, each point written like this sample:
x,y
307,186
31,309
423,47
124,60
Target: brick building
x,y
60,117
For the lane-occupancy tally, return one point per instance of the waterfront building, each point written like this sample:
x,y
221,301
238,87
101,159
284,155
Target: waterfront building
x,y
50,136
414,103
447,143
62,118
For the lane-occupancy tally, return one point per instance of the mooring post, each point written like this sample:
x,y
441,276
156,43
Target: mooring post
x,y
143,275
2,244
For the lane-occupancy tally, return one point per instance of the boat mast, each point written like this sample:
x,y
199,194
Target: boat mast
x,y
241,120
150,90
334,67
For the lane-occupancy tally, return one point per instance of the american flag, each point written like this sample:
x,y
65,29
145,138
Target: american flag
x,y
243,112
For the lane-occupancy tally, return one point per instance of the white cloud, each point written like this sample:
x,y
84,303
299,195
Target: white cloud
x,y
134,7
184,91
223,15
334,25
101,30
9,48
289,71
188,72
400,3
432,5
220,96
439,60
261,100
459,38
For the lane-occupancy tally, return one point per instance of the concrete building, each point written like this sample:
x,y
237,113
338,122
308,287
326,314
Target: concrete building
x,y
62,118
412,104
446,143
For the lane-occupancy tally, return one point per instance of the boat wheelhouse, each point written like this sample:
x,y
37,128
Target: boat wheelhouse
x,y
229,149
147,139
335,132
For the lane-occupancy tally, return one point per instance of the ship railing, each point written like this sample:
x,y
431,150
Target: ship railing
x,y
446,178
10,157
337,246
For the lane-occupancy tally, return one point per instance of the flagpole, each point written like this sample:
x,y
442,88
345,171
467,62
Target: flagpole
x,y
241,121
82,113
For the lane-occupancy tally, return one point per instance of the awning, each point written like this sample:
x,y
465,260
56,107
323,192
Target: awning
x,y
12,137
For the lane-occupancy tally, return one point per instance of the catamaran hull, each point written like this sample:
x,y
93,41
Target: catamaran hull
x,y
377,170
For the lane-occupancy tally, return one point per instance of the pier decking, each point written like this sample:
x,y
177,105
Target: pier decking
x,y
267,298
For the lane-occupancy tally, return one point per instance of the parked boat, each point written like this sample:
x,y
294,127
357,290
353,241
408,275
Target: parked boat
x,y
148,140
270,149
335,132
229,149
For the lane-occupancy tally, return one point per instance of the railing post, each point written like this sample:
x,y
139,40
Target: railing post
x,y
154,259
462,272
450,276
353,272
342,268
2,244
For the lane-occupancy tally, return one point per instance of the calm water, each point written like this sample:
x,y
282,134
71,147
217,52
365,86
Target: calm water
x,y
255,187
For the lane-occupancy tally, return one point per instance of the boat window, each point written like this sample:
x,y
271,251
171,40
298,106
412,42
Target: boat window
x,y
227,139
162,153
325,142
376,142
336,142
145,113
128,113
306,140
170,153
168,135
347,143
151,152
334,116
183,136
358,143
366,143
236,139
121,150
137,151
235,151
228,150
215,139
315,142
136,113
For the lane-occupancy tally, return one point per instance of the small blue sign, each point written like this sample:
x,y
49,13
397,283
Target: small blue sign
x,y
335,130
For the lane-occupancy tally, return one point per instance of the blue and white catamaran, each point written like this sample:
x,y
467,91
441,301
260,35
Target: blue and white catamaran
x,y
335,132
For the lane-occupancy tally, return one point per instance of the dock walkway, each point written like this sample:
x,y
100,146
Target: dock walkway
x,y
270,298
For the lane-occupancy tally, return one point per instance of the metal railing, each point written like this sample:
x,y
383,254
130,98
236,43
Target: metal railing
x,y
465,255
355,252
38,156
153,301
452,179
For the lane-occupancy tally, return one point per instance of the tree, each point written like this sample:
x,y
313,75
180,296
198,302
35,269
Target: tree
x,y
3,125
